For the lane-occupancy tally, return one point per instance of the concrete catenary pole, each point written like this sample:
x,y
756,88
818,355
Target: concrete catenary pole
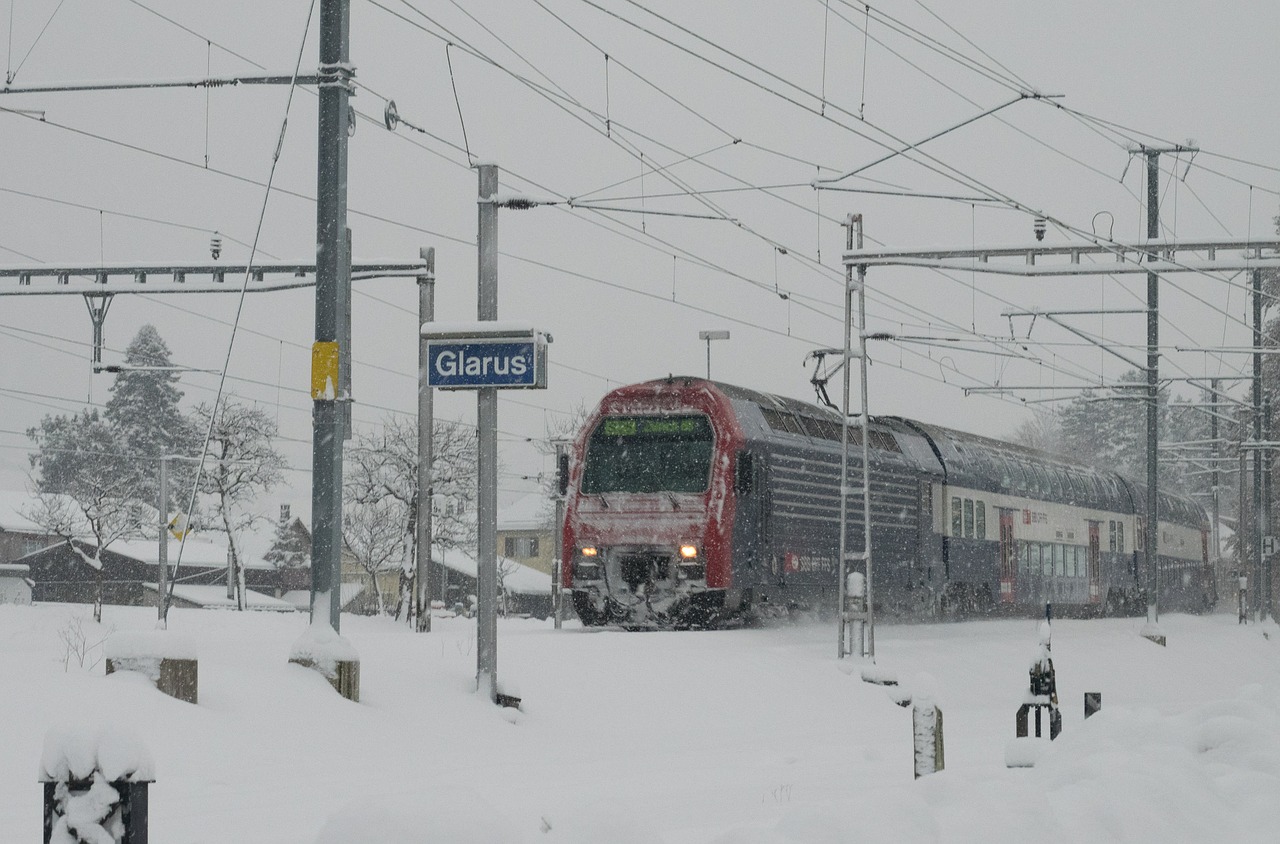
x,y
487,451
426,456
332,308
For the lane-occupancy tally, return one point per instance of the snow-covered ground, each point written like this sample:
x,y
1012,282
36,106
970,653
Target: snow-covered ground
x,y
755,736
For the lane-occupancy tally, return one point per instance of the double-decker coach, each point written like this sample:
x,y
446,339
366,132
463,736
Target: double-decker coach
x,y
691,501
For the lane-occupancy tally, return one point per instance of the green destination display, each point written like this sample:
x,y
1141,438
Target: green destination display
x,y
630,426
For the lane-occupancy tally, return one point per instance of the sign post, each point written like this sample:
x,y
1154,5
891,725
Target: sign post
x,y
486,356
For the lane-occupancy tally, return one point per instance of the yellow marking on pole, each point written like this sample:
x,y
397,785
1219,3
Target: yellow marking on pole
x,y
178,526
324,371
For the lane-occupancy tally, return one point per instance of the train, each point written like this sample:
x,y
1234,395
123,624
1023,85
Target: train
x,y
692,502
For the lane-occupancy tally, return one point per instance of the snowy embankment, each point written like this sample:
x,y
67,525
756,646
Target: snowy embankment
x,y
735,737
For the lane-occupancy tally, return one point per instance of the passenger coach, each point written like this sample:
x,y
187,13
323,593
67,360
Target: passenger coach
x,y
691,501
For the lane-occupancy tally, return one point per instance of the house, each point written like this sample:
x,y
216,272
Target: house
x,y
213,596
525,532
15,585
19,535
59,572
525,591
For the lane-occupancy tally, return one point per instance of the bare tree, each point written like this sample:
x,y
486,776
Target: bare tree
x,y
83,484
243,464
383,466
373,531
1043,432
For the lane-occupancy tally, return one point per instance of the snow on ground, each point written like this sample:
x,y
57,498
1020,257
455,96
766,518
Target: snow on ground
x,y
755,736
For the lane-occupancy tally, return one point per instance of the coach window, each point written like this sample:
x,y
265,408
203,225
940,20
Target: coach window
x,y
1059,561
1112,534
1079,568
1026,556
968,518
956,516
980,519
1120,537
1046,560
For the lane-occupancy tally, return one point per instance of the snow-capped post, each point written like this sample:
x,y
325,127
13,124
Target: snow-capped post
x,y
1043,694
321,649
1025,749
95,786
926,725
167,659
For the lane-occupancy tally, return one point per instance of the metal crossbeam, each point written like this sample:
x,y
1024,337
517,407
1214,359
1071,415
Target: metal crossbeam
x,y
100,279
1202,256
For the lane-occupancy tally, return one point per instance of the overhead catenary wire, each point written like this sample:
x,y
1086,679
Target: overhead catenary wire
x,y
244,288
407,4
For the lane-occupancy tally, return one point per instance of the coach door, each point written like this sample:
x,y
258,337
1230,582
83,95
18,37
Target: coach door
x,y
1095,550
1008,557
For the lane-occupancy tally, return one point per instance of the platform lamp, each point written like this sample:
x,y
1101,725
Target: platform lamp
x,y
709,336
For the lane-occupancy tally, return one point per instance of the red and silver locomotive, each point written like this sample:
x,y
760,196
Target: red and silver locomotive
x,y
691,501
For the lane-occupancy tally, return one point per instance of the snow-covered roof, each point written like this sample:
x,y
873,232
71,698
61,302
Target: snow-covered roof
x,y
520,579
14,509
300,599
529,512
198,552
214,596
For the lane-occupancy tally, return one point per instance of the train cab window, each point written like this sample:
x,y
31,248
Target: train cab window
x,y
980,519
968,518
957,527
649,454
1111,533
1120,537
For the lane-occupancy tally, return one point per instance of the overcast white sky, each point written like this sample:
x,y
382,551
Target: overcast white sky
x,y
720,97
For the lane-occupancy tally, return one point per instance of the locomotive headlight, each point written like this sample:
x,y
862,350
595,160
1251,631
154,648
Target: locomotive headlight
x,y
689,552
589,551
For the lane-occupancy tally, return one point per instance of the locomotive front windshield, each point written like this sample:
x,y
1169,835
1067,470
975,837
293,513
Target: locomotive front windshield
x,y
649,454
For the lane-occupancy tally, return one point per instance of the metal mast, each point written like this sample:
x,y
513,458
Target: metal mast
x,y
858,615
333,303
487,446
426,454
1152,533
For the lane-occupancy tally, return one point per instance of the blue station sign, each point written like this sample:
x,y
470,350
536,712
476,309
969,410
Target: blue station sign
x,y
486,362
